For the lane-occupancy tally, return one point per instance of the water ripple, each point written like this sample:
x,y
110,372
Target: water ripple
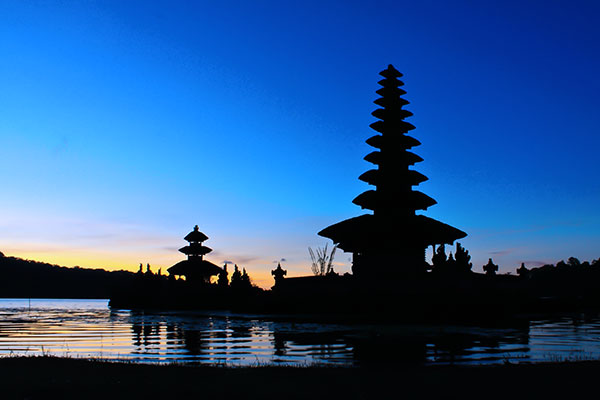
x,y
88,328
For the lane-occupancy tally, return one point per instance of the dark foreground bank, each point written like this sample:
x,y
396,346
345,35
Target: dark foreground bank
x,y
50,377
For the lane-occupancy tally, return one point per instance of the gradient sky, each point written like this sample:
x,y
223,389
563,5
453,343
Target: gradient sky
x,y
125,123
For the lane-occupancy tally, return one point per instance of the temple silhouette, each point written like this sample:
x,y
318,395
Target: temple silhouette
x,y
390,280
195,268
393,239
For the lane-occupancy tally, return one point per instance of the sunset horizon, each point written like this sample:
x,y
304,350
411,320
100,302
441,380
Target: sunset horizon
x,y
124,125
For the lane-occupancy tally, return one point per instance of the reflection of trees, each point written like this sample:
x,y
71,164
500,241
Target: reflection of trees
x,y
136,329
279,344
228,340
145,331
171,333
241,335
388,349
323,346
178,336
192,341
402,347
492,344
240,331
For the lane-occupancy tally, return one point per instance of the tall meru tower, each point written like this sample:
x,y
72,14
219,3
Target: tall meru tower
x,y
392,240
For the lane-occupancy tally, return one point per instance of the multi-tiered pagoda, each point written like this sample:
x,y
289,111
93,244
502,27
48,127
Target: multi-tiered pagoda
x,y
393,239
195,268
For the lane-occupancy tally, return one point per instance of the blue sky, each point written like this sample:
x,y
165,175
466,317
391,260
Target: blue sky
x,y
123,124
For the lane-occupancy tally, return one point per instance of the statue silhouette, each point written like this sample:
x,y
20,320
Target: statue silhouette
x,y
278,274
522,270
490,268
439,259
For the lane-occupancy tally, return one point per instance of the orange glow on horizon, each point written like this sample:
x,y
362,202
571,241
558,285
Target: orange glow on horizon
x,y
259,270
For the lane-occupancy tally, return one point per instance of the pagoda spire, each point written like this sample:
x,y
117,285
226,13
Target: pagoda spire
x,y
393,178
195,267
394,237
195,249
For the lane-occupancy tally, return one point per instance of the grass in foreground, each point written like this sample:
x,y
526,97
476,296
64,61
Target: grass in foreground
x,y
54,377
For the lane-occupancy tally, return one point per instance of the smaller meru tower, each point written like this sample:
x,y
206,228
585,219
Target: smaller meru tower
x,y
393,239
195,268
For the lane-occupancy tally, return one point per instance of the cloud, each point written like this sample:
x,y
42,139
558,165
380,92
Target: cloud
x,y
246,259
171,249
535,263
227,262
501,252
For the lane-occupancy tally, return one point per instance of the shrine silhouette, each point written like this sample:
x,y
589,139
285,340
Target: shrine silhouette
x,y
391,241
195,268
390,280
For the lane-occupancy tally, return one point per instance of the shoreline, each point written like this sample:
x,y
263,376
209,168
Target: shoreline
x,y
44,377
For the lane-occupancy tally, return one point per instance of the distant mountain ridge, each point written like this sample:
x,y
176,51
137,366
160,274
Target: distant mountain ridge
x,y
20,278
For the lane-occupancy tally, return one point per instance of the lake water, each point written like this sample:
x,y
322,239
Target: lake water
x,y
90,329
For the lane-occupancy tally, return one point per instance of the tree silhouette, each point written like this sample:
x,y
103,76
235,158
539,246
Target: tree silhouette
x,y
236,277
245,279
573,262
322,263
463,259
223,281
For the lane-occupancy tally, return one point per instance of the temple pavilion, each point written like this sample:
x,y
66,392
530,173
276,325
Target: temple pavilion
x,y
391,240
195,268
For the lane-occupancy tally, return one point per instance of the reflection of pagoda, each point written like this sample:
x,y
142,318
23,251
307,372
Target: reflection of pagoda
x,y
394,235
195,268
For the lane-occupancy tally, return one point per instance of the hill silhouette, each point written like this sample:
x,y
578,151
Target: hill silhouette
x,y
28,278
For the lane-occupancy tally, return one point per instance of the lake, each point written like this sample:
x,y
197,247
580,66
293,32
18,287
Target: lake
x,y
90,329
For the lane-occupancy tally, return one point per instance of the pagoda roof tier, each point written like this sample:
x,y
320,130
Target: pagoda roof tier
x,y
387,114
411,200
390,126
391,102
391,91
375,177
196,236
392,141
403,158
195,268
195,248
392,82
368,232
391,72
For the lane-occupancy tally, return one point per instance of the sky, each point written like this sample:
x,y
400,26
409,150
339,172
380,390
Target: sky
x,y
125,123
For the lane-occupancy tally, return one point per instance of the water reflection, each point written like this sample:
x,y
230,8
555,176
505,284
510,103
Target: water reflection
x,y
90,329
